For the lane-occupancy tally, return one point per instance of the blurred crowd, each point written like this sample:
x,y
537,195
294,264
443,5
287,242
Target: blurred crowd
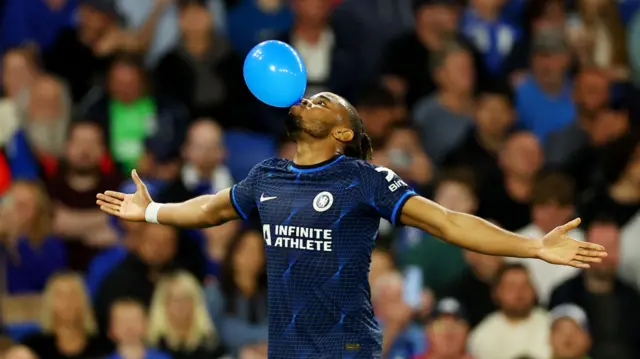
x,y
520,111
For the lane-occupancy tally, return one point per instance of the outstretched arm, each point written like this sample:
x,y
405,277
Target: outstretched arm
x,y
478,235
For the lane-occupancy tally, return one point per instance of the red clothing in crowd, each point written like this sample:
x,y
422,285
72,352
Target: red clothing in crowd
x,y
5,174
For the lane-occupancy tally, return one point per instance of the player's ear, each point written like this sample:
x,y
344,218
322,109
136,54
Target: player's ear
x,y
343,134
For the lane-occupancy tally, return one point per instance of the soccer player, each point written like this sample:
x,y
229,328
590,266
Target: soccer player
x,y
320,215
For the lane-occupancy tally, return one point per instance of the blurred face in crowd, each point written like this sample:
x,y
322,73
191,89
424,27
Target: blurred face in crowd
x,y
55,4
569,340
592,7
67,304
205,147
18,72
158,245
249,255
483,265
494,115
48,115
180,305
549,68
438,19
488,6
514,294
388,296
605,234
447,336
128,323
550,215
610,124
24,205
457,73
521,156
85,149
456,196
312,12
381,263
376,120
591,93
195,20
553,15
19,352
92,24
125,82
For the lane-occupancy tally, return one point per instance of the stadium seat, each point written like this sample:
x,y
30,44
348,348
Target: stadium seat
x,y
245,150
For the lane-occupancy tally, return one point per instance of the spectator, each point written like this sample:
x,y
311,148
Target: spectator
x,y
204,72
129,113
6,344
238,303
570,337
506,200
381,264
19,71
136,276
481,23
598,38
68,325
251,22
519,326
36,22
551,206
474,288
179,322
403,154
73,190
19,352
447,332
81,55
614,328
403,67
46,109
494,117
329,62
128,329
620,195
544,100
400,338
442,263
378,109
25,228
577,148
444,118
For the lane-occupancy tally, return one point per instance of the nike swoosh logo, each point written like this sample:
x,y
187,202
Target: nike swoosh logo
x,y
263,198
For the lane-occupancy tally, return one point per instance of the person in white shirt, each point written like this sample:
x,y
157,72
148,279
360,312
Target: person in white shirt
x,y
519,327
552,205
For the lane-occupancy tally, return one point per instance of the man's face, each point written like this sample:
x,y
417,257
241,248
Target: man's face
x,y
457,73
494,115
158,245
515,294
447,336
92,24
125,83
607,235
204,148
85,149
128,323
312,12
441,19
317,116
591,93
522,155
569,340
549,68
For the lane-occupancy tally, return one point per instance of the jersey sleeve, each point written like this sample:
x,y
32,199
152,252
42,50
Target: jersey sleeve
x,y
243,195
385,192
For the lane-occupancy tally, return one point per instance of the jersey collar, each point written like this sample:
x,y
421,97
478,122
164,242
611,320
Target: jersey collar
x,y
315,167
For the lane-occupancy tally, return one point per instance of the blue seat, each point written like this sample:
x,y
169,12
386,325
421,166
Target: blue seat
x,y
18,331
245,150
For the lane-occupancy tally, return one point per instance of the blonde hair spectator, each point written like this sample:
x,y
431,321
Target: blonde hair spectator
x,y
48,316
180,286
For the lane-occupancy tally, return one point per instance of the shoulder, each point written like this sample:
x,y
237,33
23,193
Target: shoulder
x,y
270,164
425,106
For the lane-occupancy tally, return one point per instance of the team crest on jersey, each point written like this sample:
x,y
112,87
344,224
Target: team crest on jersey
x,y
323,201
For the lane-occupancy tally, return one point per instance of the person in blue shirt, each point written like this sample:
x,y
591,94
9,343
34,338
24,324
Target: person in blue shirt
x,y
320,215
128,327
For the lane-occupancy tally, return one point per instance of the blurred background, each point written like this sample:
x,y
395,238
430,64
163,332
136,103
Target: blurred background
x,y
524,112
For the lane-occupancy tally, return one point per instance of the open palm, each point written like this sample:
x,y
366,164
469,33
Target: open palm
x,y
558,248
130,207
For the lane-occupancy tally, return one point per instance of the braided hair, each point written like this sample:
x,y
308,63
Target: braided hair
x,y
360,146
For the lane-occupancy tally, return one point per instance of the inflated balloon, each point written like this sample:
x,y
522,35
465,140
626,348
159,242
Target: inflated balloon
x,y
275,73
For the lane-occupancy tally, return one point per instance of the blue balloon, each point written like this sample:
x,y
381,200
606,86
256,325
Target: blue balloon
x,y
275,73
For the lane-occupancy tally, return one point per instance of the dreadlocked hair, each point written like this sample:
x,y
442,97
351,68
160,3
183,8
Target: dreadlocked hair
x,y
360,146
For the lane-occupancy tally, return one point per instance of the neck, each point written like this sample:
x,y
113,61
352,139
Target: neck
x,y
197,44
625,191
246,283
487,13
598,284
489,142
552,88
82,182
132,350
313,152
308,32
518,188
456,102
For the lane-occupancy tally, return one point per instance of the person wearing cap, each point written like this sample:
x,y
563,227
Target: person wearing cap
x,y
544,100
447,331
403,66
570,337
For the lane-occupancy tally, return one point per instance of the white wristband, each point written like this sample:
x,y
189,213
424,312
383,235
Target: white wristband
x,y
151,213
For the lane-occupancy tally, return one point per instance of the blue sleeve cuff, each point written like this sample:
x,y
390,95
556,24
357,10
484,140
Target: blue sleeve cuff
x,y
397,209
235,204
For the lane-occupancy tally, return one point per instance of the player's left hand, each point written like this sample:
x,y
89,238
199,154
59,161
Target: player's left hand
x,y
558,248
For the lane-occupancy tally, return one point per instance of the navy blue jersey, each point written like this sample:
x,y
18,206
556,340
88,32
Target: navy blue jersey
x,y
320,224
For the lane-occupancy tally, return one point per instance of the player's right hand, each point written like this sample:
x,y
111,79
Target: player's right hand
x,y
130,207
